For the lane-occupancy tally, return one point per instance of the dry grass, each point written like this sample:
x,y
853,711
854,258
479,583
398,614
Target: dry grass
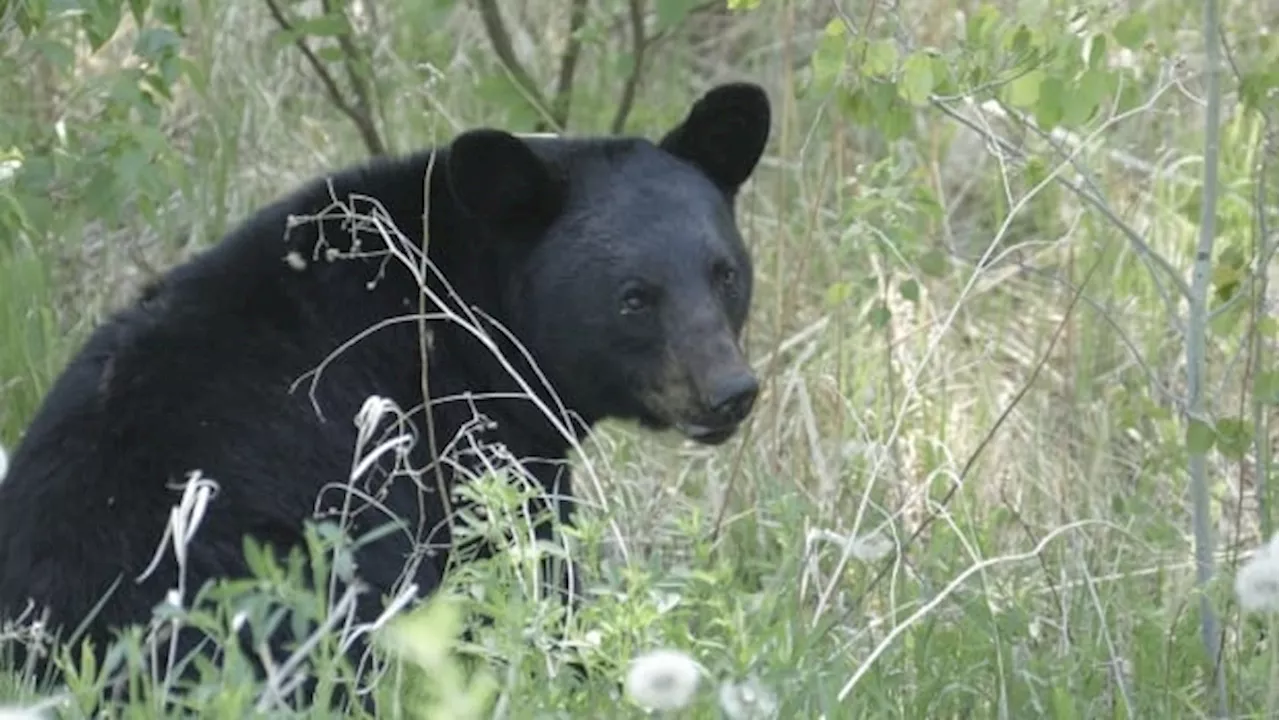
x,y
1032,376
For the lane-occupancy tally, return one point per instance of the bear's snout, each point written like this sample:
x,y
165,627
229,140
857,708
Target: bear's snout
x,y
731,398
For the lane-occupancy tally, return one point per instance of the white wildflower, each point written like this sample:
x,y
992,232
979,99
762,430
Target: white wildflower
x,y
4,463
1258,581
9,167
663,679
748,700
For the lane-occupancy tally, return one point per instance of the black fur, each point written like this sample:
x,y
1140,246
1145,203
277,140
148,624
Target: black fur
x,y
616,262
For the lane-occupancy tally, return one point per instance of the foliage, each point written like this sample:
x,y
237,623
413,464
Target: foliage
x,y
974,236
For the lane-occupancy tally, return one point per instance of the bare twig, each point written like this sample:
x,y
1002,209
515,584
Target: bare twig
x,y
1084,194
362,120
359,70
501,41
568,65
639,43
1197,320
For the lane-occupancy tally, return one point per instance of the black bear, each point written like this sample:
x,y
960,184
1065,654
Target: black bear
x,y
569,280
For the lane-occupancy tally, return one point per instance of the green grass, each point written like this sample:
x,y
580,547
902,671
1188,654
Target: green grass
x,y
1041,388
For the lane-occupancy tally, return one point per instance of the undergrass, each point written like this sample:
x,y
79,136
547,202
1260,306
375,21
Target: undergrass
x,y
1019,411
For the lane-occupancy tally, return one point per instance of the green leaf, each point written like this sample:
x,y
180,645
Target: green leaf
x,y
828,57
1024,90
1098,52
1086,96
980,24
154,42
933,263
101,22
857,105
323,26
897,121
910,290
671,12
943,78
139,10
917,79
1049,109
1021,40
838,294
1266,387
1131,32
59,54
879,316
881,57
1226,279
1258,87
1200,437
1062,703
1267,327
1233,438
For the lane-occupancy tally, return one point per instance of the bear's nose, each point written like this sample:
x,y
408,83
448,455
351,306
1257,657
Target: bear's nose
x,y
732,398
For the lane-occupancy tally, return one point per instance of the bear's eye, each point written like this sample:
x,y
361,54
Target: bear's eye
x,y
635,300
726,277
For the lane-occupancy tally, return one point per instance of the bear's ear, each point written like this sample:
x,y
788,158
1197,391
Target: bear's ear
x,y
724,134
496,179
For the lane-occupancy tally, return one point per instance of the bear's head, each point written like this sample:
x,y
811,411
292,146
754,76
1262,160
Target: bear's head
x,y
629,282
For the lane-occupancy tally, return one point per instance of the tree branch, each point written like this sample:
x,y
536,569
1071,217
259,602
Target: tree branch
x,y
639,43
359,73
568,65
501,41
363,121
1197,320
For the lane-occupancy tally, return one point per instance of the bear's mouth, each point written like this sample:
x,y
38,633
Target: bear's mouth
x,y
707,434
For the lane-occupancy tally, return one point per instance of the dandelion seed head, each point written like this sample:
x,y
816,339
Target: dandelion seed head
x,y
1258,581
39,711
20,713
871,547
748,700
663,680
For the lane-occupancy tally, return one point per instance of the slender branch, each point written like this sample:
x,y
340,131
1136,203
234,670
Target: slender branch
x,y
1084,194
501,41
363,122
354,61
1197,320
568,65
639,43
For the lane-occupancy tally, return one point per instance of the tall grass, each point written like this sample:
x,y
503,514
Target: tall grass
x,y
964,489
